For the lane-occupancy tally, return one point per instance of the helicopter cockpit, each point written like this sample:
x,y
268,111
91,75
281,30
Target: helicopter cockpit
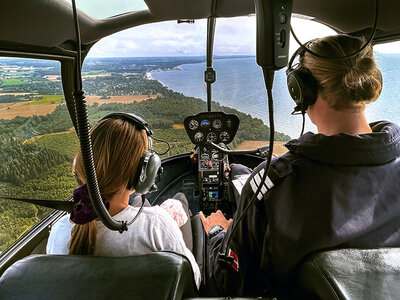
x,y
204,140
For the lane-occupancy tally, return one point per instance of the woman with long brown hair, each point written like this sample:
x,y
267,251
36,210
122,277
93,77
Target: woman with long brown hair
x,y
118,146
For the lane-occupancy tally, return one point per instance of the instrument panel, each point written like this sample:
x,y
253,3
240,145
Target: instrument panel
x,y
216,127
212,165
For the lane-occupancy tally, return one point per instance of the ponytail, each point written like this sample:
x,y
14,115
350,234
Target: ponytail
x,y
83,239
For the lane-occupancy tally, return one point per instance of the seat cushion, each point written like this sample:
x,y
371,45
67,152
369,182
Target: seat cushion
x,y
351,274
160,275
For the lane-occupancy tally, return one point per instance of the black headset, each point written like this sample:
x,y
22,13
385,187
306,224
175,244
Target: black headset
x,y
303,87
149,167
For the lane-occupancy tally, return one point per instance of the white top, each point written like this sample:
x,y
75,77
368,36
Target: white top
x,y
154,230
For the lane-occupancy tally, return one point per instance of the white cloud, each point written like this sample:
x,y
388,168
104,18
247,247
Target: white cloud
x,y
233,36
393,47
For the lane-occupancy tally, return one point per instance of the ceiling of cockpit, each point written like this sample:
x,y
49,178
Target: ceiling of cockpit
x,y
48,24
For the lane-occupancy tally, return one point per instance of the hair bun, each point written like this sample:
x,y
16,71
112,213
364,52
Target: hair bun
x,y
360,83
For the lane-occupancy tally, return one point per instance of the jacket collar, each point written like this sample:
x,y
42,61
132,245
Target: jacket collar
x,y
378,147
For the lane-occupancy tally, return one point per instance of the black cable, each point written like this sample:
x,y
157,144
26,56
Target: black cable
x,y
258,151
162,141
304,46
304,123
138,213
268,78
85,141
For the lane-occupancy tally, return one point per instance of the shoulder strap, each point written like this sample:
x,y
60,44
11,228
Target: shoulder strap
x,y
280,168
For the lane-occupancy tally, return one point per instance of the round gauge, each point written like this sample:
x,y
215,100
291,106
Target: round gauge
x,y
212,137
217,124
229,122
193,124
224,136
198,137
205,123
205,156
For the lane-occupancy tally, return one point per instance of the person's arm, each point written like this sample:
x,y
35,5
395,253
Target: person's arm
x,y
59,237
235,268
223,271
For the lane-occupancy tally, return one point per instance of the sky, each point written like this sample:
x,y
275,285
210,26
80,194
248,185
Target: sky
x,y
234,36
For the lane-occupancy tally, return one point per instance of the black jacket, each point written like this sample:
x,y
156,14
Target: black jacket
x,y
326,192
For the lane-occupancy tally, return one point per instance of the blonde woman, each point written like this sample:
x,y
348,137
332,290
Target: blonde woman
x,y
337,188
118,145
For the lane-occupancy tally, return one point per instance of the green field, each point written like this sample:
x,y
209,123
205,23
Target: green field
x,y
12,81
47,99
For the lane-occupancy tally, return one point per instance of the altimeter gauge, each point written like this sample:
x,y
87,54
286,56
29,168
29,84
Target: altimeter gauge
x,y
217,124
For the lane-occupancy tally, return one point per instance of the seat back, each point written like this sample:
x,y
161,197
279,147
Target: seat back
x,y
159,275
351,274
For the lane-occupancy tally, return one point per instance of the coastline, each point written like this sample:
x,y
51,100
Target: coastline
x,y
240,85
245,94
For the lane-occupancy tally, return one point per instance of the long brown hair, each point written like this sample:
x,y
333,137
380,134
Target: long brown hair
x,y
117,149
344,83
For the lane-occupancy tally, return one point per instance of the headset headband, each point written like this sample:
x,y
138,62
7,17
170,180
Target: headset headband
x,y
299,52
134,119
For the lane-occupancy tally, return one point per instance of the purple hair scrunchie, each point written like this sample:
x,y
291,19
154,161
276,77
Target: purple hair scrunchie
x,y
83,211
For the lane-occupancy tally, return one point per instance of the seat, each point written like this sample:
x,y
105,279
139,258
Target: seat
x,y
351,274
159,275
199,242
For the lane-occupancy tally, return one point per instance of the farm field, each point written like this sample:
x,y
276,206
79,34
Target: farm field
x,y
278,146
9,111
12,81
46,99
90,100
48,103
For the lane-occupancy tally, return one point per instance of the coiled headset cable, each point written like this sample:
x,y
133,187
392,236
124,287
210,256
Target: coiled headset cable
x,y
223,256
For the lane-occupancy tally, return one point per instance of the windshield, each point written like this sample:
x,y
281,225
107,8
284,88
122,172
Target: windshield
x,y
157,72
101,9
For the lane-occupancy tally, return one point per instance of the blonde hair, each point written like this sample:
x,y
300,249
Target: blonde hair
x,y
117,149
348,83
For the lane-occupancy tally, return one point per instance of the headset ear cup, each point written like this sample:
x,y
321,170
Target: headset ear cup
x,y
146,173
303,88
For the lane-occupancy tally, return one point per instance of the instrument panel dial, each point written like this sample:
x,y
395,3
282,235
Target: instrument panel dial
x,y
205,123
198,137
224,136
212,137
193,124
217,124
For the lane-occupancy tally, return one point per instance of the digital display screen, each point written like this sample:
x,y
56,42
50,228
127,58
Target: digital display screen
x,y
213,194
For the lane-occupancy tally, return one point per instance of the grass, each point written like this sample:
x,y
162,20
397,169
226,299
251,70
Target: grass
x,y
12,81
47,99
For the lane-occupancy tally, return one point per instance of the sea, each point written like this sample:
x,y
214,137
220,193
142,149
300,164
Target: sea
x,y
240,85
